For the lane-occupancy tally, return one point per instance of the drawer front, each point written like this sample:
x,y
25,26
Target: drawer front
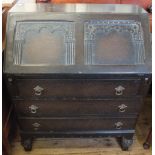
x,y
76,124
77,88
77,107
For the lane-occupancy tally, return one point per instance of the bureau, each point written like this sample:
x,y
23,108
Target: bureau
x,y
77,69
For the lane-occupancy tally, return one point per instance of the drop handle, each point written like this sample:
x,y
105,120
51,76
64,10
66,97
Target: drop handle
x,y
33,109
38,90
119,90
118,125
36,125
122,108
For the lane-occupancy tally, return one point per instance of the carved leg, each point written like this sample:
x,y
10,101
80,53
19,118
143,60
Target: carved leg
x,y
27,143
126,142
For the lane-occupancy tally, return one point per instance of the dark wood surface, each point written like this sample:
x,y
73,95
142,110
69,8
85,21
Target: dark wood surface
x,y
68,106
93,145
73,56
7,107
90,98
42,108
77,88
8,120
75,124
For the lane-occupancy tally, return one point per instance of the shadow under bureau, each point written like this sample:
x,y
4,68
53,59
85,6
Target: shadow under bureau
x,y
77,69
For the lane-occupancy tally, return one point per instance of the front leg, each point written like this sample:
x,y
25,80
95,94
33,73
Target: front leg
x,y
126,142
26,142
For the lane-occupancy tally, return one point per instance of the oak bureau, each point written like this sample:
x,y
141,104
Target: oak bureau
x,y
77,69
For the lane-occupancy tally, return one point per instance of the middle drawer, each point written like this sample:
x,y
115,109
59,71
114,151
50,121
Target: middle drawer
x,y
77,107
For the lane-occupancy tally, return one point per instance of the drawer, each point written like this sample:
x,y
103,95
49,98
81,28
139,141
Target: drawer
x,y
75,124
77,107
77,87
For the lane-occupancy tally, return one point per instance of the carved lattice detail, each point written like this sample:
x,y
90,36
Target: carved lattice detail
x,y
105,26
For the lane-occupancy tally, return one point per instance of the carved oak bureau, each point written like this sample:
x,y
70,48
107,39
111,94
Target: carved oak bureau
x,y
77,69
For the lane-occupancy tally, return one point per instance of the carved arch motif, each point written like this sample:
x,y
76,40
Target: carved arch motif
x,y
67,29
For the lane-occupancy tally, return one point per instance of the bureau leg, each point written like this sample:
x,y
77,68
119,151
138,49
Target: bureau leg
x,y
126,142
27,143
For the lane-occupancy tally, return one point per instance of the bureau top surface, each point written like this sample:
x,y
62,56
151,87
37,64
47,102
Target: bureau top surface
x,y
77,38
78,8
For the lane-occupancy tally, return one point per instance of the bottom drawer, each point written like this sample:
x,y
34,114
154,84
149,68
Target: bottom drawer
x,y
76,124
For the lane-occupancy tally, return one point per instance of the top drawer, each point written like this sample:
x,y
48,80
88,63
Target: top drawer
x,y
77,87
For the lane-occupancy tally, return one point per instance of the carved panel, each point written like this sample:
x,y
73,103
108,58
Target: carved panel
x,y
128,31
52,42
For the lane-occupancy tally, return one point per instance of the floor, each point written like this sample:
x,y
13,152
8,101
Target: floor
x,y
91,146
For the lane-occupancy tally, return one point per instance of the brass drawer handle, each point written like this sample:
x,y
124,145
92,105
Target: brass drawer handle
x,y
36,125
118,125
33,109
119,90
122,108
38,90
